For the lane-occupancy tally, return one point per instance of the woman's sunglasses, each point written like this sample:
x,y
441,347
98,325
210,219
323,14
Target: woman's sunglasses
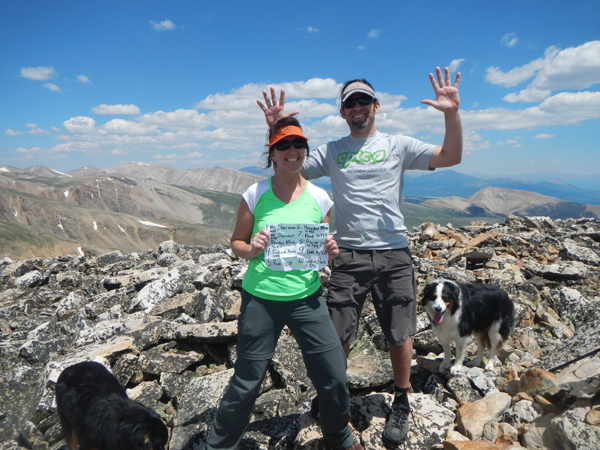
x,y
285,145
362,101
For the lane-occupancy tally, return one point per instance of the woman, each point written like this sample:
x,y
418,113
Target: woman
x,y
272,299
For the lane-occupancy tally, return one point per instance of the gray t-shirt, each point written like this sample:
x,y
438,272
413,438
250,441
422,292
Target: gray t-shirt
x,y
367,175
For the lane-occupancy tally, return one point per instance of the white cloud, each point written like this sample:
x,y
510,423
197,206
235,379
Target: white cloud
x,y
87,147
10,132
312,108
509,39
163,26
514,76
179,119
544,136
52,87
453,66
529,95
572,68
244,98
312,29
176,156
233,122
116,110
37,130
575,104
361,47
80,124
37,73
374,34
128,128
83,79
30,151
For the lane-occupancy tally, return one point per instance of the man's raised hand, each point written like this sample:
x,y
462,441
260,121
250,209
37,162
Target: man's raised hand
x,y
446,95
274,110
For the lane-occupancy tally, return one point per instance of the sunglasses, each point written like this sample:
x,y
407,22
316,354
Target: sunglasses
x,y
285,145
362,101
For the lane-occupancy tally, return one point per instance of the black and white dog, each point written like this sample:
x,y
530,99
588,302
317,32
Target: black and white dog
x,y
458,310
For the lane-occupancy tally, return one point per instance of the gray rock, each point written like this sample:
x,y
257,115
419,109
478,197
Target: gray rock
x,y
167,259
461,388
157,291
575,435
168,247
563,270
30,279
197,407
579,253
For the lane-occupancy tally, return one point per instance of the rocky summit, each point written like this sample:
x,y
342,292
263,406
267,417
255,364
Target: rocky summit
x,y
165,323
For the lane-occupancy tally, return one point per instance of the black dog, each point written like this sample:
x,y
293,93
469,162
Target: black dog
x,y
96,414
459,310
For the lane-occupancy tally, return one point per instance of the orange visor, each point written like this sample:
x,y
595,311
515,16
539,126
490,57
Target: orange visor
x,y
287,131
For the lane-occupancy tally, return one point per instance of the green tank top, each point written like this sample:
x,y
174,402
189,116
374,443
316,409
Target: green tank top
x,y
310,208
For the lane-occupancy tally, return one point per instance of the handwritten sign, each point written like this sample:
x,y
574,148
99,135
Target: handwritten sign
x,y
296,247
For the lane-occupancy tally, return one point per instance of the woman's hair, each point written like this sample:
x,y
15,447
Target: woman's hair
x,y
348,83
278,125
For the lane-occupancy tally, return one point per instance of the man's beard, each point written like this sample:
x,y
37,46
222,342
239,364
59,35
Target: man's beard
x,y
360,126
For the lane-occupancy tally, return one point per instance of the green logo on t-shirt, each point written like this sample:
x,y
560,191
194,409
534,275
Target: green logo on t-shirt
x,y
344,159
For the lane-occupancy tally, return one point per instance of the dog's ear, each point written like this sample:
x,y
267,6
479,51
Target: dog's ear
x,y
456,289
426,292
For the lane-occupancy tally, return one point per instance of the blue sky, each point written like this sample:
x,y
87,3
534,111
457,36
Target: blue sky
x,y
176,82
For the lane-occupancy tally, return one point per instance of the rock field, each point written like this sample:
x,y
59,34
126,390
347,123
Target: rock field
x,y
165,322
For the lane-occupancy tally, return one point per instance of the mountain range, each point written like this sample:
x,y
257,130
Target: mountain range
x,y
447,182
135,206
441,183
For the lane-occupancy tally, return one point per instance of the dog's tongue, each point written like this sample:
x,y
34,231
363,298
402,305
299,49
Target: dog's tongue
x,y
438,318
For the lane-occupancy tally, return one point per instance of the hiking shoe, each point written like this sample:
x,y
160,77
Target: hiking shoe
x,y
396,426
355,446
314,408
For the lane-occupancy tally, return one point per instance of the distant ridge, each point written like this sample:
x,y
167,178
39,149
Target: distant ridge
x,y
83,171
444,183
220,179
135,206
47,172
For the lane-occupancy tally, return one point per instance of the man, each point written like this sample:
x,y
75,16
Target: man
x,y
367,172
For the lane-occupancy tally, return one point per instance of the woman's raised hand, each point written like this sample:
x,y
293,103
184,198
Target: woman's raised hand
x,y
273,109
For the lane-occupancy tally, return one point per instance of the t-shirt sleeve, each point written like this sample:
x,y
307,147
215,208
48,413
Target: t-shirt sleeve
x,y
315,164
254,192
418,154
322,198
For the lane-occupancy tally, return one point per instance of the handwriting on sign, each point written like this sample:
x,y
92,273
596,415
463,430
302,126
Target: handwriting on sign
x,y
296,247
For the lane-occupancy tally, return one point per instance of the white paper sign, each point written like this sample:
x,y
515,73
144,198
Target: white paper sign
x,y
296,247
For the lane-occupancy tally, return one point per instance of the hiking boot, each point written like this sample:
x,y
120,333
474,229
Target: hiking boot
x,y
314,407
396,426
355,446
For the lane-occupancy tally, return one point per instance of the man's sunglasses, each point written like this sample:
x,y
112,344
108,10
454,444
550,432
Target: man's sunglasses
x,y
285,145
362,101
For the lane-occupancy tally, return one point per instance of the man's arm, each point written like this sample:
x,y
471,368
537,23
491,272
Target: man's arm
x,y
447,101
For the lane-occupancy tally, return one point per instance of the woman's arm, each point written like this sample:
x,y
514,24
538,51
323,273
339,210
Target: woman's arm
x,y
243,244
